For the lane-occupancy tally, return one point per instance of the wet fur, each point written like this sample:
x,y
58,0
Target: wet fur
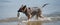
x,y
30,13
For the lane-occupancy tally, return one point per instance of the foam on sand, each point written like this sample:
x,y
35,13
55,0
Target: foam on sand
x,y
39,19
36,21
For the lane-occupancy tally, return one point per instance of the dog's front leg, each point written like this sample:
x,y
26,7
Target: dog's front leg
x,y
29,16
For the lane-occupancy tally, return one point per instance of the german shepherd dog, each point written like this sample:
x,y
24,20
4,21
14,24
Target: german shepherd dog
x,y
30,12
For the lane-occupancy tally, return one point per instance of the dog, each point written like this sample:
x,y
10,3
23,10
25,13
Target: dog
x,y
30,12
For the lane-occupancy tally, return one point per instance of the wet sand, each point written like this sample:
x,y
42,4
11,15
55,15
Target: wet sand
x,y
14,21
9,19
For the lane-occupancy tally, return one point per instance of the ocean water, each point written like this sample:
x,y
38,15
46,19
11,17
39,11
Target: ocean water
x,y
8,8
21,23
16,23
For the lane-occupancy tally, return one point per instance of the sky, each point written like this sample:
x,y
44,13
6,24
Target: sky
x,y
8,8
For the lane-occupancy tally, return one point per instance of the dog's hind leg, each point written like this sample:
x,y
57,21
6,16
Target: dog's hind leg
x,y
39,14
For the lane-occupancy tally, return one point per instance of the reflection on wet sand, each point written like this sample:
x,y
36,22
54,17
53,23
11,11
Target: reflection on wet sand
x,y
35,23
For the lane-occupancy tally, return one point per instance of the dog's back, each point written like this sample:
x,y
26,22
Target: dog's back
x,y
33,10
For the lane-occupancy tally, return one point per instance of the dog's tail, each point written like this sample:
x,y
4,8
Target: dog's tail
x,y
45,5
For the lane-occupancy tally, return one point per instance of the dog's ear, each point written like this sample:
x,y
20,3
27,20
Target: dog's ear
x,y
24,7
20,9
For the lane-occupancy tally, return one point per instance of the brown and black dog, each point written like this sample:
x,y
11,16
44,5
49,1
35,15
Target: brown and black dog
x,y
30,12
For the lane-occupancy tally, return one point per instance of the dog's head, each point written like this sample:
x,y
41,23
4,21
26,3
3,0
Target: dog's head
x,y
22,8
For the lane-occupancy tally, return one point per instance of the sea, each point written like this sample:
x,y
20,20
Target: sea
x,y
8,9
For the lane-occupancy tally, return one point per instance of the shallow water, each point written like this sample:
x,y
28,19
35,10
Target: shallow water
x,y
16,23
8,8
